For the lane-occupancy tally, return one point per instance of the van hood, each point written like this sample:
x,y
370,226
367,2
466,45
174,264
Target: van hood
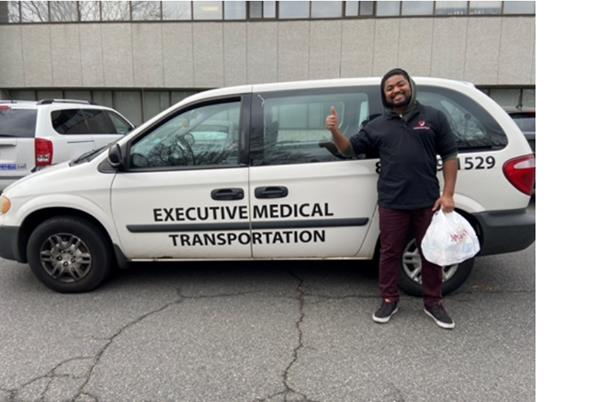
x,y
40,173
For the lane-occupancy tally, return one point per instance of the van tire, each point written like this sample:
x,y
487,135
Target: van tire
x,y
69,255
412,287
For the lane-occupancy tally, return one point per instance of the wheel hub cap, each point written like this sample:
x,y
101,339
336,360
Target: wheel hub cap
x,y
411,263
66,257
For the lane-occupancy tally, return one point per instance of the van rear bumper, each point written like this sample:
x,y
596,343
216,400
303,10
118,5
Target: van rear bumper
x,y
8,243
505,231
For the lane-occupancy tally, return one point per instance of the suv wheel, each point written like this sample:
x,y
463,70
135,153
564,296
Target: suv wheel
x,y
68,255
410,274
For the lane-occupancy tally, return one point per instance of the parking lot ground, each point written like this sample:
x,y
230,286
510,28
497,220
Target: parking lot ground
x,y
266,331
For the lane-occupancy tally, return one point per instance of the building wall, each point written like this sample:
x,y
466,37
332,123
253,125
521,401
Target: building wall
x,y
488,51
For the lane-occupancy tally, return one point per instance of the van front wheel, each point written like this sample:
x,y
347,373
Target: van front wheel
x,y
410,272
69,255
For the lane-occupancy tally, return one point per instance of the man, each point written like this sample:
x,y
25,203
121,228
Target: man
x,y
407,138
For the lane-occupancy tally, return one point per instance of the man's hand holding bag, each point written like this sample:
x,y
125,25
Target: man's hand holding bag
x,y
449,239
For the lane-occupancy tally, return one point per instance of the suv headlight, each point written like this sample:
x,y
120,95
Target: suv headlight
x,y
4,205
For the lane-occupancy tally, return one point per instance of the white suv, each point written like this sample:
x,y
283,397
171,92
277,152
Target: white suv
x,y
250,173
38,134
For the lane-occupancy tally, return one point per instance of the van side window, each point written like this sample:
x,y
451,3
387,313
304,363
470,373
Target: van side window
x,y
474,127
204,136
293,126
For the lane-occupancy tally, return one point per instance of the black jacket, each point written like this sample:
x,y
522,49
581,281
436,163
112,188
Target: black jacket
x,y
407,147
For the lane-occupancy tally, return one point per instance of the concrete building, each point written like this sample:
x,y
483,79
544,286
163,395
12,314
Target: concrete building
x,y
142,56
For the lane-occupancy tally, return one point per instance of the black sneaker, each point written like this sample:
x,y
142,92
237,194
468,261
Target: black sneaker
x,y
440,316
385,312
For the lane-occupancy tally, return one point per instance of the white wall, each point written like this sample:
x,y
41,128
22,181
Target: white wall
x,y
483,50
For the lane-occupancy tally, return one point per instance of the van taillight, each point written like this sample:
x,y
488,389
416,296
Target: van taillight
x,y
520,172
43,152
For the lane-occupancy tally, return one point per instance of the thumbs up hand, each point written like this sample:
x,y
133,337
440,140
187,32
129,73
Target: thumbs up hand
x,y
331,122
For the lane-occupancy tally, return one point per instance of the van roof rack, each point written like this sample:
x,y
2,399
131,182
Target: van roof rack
x,y
50,101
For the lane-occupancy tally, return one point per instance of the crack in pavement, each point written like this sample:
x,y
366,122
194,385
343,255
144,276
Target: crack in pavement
x,y
50,375
289,393
102,350
300,345
181,297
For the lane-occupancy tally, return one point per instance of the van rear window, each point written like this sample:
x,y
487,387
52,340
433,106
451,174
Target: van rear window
x,y
19,123
473,126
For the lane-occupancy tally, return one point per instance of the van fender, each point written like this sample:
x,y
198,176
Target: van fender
x,y
70,201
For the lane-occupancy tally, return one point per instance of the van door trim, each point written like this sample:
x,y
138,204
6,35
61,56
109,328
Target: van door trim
x,y
288,224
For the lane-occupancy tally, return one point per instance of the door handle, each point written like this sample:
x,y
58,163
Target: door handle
x,y
227,194
271,192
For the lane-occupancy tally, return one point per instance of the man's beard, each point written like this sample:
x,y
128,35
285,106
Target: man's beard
x,y
402,104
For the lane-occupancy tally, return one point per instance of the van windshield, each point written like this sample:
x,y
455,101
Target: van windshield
x,y
19,123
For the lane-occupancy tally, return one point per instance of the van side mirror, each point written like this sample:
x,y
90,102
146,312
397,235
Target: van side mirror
x,y
115,156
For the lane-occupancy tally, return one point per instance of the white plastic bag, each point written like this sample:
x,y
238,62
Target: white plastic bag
x,y
449,239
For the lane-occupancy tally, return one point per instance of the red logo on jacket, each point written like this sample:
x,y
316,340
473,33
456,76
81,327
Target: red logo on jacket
x,y
421,125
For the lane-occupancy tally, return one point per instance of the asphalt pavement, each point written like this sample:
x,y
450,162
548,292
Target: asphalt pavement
x,y
266,331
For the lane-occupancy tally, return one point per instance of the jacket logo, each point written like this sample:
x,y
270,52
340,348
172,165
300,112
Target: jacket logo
x,y
421,125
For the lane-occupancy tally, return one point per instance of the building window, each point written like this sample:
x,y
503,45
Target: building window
x,y
412,8
506,97
485,7
115,11
269,9
388,8
129,103
9,12
294,9
176,10
89,10
63,11
528,98
326,9
34,11
256,9
208,10
519,7
235,10
366,8
451,8
351,9
261,9
145,10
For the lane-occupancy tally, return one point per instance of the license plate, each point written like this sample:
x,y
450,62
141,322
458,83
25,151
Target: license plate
x,y
12,166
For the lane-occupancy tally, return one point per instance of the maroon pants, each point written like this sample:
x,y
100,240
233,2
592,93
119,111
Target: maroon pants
x,y
395,227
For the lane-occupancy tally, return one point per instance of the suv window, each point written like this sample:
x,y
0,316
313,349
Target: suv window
x,y
204,136
86,121
473,126
18,123
121,126
293,126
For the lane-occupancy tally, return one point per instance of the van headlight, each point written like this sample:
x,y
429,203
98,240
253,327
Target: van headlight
x,y
4,205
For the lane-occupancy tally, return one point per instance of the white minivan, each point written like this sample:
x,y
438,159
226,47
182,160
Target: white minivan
x,y
250,173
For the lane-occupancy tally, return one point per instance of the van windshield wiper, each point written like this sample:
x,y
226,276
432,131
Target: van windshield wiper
x,y
87,156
